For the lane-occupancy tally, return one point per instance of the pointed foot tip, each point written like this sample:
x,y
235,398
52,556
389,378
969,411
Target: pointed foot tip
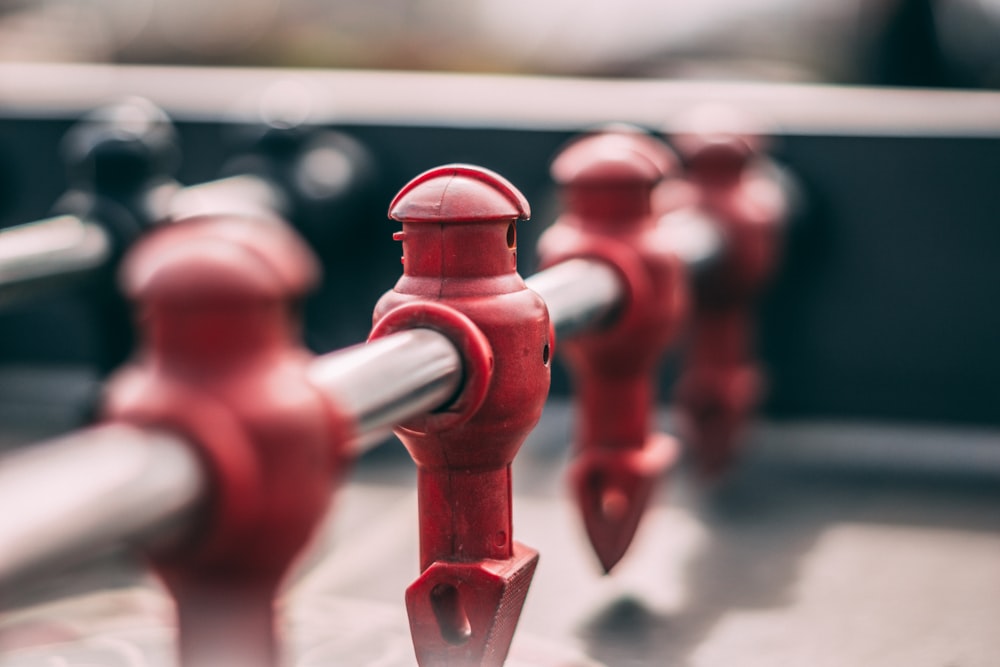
x,y
610,552
607,566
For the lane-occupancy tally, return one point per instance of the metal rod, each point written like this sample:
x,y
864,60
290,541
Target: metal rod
x,y
390,379
580,294
694,236
583,293
40,255
245,194
93,488
48,254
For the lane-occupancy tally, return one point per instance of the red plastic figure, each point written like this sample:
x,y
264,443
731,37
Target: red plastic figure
x,y
459,277
722,383
607,181
220,364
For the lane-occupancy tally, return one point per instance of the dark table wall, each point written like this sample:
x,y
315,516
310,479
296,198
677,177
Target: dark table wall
x,y
886,306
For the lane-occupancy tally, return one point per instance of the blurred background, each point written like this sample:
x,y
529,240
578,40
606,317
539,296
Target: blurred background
x,y
933,43
843,535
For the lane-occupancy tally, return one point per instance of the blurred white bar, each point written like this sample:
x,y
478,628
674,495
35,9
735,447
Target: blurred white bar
x,y
468,100
693,236
238,195
38,254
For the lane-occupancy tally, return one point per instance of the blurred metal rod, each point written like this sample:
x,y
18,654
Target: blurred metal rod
x,y
580,294
694,236
50,253
583,293
241,195
69,497
47,255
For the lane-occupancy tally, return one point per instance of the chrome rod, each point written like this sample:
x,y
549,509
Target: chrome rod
x,y
41,254
693,236
580,293
583,293
390,380
45,255
105,485
245,194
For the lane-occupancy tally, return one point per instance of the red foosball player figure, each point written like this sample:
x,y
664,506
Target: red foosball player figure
x,y
722,383
459,278
607,181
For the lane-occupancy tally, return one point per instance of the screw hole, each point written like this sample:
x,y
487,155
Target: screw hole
x,y
512,236
545,354
451,617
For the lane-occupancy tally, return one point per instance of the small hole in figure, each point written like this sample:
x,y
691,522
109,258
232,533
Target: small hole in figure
x,y
512,236
614,504
451,617
545,354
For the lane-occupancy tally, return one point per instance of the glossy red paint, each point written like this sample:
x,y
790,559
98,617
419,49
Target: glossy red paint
x,y
459,277
607,182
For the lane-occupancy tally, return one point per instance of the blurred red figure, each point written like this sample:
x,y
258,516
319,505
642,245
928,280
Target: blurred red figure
x,y
220,364
722,383
459,277
607,181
